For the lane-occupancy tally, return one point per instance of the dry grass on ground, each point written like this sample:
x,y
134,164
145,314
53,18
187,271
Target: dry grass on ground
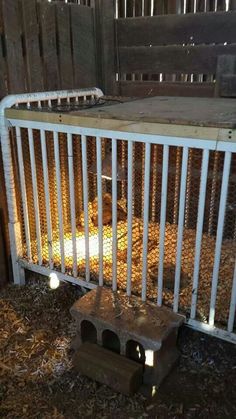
x,y
37,379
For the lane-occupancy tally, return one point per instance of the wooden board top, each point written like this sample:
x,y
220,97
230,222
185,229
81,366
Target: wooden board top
x,y
201,112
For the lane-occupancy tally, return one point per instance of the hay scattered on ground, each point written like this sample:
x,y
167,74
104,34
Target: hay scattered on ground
x,y
37,379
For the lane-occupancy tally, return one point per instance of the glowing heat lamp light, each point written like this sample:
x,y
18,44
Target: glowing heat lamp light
x,y
54,282
93,247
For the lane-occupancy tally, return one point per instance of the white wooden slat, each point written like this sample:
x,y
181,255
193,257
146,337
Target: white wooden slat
x,y
23,192
100,210
129,217
184,171
85,196
219,235
72,201
199,229
145,218
59,199
114,214
35,195
47,196
164,190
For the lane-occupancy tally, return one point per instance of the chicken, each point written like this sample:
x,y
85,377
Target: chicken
x,y
106,211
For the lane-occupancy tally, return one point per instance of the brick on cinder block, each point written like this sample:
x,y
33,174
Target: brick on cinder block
x,y
118,372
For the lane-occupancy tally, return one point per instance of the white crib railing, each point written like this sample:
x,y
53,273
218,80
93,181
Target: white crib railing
x,y
84,258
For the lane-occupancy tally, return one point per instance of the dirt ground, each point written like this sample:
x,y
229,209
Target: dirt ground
x,y
37,379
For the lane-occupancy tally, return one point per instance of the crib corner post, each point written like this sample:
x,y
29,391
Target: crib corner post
x,y
16,253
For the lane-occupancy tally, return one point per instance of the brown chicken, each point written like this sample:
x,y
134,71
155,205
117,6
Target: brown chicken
x,y
106,211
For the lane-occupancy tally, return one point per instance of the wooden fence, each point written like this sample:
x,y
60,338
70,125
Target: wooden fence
x,y
46,46
131,8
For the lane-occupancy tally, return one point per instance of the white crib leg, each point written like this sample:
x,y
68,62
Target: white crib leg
x,y
16,253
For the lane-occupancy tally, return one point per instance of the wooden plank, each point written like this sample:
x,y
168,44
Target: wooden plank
x,y
182,29
106,32
47,20
197,111
150,88
138,7
200,59
158,7
84,119
83,42
13,44
232,5
210,112
171,6
228,85
31,42
64,45
226,64
3,75
3,69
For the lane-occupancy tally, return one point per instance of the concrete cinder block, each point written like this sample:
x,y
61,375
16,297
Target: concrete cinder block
x,y
146,333
116,371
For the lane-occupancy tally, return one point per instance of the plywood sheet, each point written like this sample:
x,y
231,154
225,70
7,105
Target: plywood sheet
x,y
205,112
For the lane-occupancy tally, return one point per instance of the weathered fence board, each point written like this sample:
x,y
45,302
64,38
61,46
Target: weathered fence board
x,y
31,43
64,45
46,12
13,45
172,59
3,74
106,25
152,88
178,29
45,45
83,42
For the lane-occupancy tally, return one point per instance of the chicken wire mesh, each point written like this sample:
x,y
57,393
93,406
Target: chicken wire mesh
x,y
63,207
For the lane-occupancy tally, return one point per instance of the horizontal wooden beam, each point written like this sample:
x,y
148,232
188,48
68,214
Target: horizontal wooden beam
x,y
197,28
172,59
152,88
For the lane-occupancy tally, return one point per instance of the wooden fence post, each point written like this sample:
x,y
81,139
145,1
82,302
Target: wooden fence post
x,y
105,32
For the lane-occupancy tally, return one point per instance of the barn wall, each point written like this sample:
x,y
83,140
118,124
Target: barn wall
x,y
44,46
